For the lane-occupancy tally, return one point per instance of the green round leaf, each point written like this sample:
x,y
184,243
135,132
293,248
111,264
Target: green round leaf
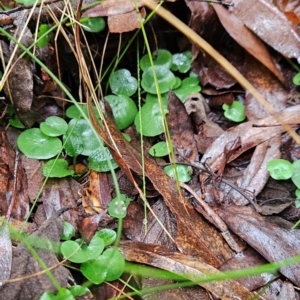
x,y
73,112
26,2
235,112
43,38
297,193
68,231
107,267
121,82
154,97
151,119
118,206
296,174
99,160
159,150
162,58
297,203
280,169
83,253
54,126
182,61
78,290
296,79
123,108
177,84
34,144
57,168
107,235
64,294
184,172
95,24
115,264
188,86
165,78
81,138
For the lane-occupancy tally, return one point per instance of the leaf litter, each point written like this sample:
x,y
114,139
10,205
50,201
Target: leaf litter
x,y
188,243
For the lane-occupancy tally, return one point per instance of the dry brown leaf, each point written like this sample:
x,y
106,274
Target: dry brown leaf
x,y
248,40
291,9
189,267
272,26
181,131
250,136
272,237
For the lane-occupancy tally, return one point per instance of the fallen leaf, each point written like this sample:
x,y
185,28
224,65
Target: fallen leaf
x,y
181,131
272,237
5,252
272,26
246,38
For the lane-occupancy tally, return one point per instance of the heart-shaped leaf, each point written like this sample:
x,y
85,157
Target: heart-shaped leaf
x,y
161,57
57,168
95,24
99,160
107,235
188,86
159,150
54,126
64,294
184,172
280,169
182,61
121,82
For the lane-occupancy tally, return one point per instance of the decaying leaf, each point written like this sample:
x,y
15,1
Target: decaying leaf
x,y
181,130
272,237
186,266
5,252
272,26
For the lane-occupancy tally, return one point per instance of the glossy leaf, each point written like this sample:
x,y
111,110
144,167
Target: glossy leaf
x,y
296,173
34,144
118,206
188,86
151,119
162,58
54,126
123,108
296,79
68,231
64,294
107,235
165,78
78,290
182,61
121,82
99,160
43,38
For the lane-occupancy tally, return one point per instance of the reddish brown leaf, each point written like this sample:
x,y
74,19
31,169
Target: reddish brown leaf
x,y
248,40
181,130
272,26
291,9
272,237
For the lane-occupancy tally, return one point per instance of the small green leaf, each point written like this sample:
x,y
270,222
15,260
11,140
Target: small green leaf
x,y
182,61
165,79
78,290
54,126
297,203
77,254
184,172
15,122
154,97
95,24
162,58
280,169
159,150
123,108
121,82
107,235
297,193
296,173
34,144
57,168
107,267
81,138
68,231
188,86
235,112
118,206
296,79
26,2
64,294
99,160
73,112
43,38
151,119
